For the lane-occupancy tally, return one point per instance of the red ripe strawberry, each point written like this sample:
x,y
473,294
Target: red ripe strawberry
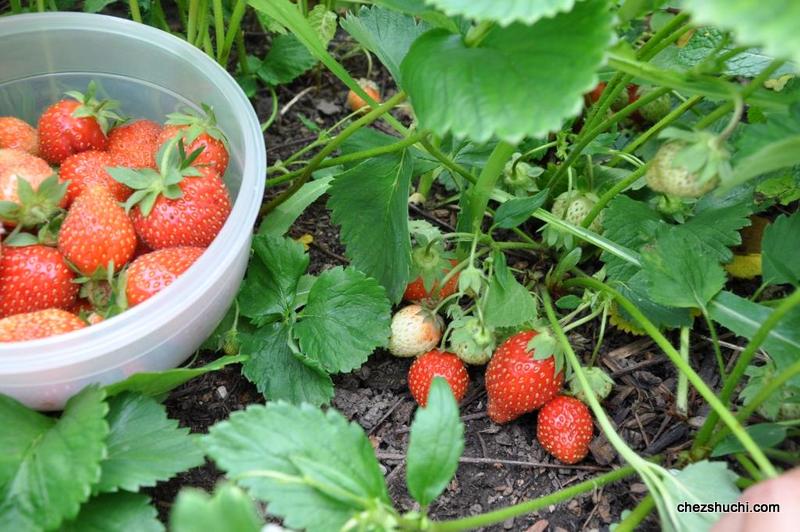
x,y
415,291
199,132
74,125
356,102
516,383
594,95
565,429
97,232
151,273
87,169
39,324
437,364
34,278
134,145
17,134
30,193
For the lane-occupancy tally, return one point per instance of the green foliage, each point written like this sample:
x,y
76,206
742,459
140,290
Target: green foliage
x,y
504,13
469,90
437,441
287,58
766,435
701,482
116,512
780,250
229,509
503,290
323,21
314,469
370,203
516,211
281,219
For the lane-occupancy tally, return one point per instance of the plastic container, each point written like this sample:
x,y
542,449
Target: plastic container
x,y
152,73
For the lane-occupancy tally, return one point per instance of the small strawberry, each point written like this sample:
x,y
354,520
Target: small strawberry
x,y
29,190
415,330
356,102
199,131
134,144
471,340
668,176
34,278
75,124
518,383
571,206
87,169
97,235
39,324
564,429
657,109
17,134
153,272
437,364
416,291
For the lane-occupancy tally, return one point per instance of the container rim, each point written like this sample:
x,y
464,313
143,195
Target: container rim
x,y
143,319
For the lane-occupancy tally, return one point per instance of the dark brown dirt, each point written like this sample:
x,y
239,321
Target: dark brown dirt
x,y
502,465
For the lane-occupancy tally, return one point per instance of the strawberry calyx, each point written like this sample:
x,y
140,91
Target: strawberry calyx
x,y
173,166
544,344
35,207
104,291
91,107
195,124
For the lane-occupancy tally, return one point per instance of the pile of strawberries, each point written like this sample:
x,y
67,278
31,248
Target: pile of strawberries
x,y
101,213
517,382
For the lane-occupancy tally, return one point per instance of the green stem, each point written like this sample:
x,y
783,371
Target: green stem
x,y
702,388
219,29
368,118
612,193
637,515
241,53
476,34
16,7
447,162
158,13
351,157
191,26
498,516
668,30
40,6
234,25
136,14
749,467
682,389
745,357
274,113
202,24
715,345
483,187
425,183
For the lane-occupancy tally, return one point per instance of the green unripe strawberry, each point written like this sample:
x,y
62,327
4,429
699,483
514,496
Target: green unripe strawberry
x,y
573,206
471,341
668,176
657,109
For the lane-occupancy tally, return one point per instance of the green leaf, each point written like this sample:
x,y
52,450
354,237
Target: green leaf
x,y
370,203
515,211
780,250
386,33
48,468
701,483
228,510
469,91
346,317
324,21
632,224
715,230
281,219
637,290
286,59
157,383
504,13
269,287
744,317
436,444
508,303
96,6
263,445
116,512
368,138
144,445
280,373
771,25
780,154
680,274
766,436
778,126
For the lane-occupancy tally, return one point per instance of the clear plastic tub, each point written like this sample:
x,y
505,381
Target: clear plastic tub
x,y
152,73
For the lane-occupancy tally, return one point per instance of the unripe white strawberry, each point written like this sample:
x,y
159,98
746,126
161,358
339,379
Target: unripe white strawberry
x,y
415,330
674,179
573,206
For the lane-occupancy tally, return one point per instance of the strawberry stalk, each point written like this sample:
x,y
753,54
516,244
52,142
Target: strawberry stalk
x,y
91,107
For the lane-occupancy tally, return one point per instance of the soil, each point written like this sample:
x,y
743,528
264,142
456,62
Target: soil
x,y
502,465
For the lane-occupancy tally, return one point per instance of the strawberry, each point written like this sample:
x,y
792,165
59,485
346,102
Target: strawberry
x,y
17,134
75,124
437,364
86,169
178,205
199,131
39,324
415,330
151,273
34,278
356,102
96,233
668,176
471,340
517,383
29,191
134,144
564,429
571,206
657,109
415,291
